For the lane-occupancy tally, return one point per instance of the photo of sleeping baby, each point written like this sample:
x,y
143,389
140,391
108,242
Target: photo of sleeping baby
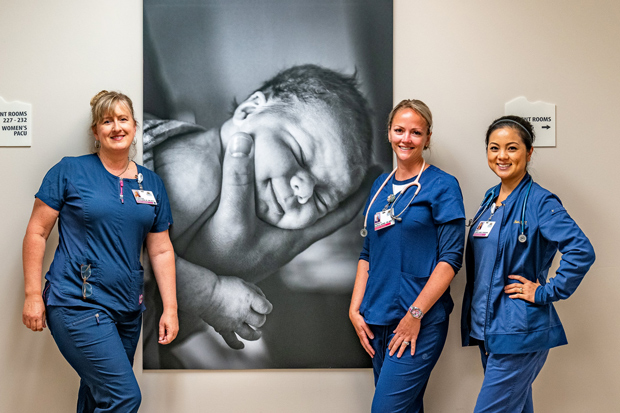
x,y
266,193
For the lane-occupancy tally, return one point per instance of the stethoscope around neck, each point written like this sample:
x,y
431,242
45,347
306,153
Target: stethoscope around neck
x,y
490,198
392,202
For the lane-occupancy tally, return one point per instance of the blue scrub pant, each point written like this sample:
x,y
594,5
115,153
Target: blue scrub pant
x,y
508,378
401,382
101,350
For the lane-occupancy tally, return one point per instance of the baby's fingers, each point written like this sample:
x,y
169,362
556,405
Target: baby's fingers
x,y
255,319
231,339
246,332
261,304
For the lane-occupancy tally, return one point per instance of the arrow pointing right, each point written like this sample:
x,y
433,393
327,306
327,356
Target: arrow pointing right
x,y
546,127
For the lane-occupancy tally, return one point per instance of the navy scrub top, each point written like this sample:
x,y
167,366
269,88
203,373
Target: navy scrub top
x,y
95,228
485,253
402,257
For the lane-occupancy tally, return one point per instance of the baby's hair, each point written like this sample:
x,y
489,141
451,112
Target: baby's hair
x,y
313,84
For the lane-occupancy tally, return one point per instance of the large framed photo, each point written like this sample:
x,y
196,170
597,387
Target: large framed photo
x,y
265,119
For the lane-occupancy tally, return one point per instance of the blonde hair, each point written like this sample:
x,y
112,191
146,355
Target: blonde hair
x,y
415,105
104,102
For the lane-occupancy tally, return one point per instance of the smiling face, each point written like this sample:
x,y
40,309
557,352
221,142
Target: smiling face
x,y
409,136
507,155
300,162
116,130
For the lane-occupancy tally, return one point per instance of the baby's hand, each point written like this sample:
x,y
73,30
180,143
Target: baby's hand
x,y
236,308
230,305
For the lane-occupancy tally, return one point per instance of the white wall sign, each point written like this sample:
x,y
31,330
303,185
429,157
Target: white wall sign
x,y
15,123
540,114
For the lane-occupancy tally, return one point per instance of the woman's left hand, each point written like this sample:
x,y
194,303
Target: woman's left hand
x,y
405,335
524,289
168,327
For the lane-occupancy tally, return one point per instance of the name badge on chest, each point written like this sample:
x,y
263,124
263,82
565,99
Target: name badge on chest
x,y
484,229
383,219
144,197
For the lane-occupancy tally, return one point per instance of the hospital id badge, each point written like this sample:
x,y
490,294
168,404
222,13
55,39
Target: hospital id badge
x,y
144,197
484,229
383,219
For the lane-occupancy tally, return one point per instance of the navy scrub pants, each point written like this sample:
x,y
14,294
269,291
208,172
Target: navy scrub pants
x,y
508,378
101,350
400,382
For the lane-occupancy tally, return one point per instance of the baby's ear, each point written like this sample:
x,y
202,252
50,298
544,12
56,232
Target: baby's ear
x,y
256,101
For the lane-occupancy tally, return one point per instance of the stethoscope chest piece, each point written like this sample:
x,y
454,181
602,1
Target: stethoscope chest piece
x,y
522,238
363,232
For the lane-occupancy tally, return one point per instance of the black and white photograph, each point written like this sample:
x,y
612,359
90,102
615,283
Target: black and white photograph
x,y
265,120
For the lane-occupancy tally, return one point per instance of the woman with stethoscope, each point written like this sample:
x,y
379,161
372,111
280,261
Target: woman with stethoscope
x,y
513,237
414,231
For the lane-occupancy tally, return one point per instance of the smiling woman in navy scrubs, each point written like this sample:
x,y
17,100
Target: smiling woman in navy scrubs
x,y
106,206
413,247
507,308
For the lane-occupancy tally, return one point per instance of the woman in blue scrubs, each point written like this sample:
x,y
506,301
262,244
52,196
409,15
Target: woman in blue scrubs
x,y
414,236
106,206
507,308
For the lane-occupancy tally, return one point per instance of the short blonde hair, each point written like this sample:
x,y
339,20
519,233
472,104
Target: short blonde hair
x,y
415,105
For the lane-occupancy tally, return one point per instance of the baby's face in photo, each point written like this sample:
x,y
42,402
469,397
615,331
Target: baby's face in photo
x,y
301,169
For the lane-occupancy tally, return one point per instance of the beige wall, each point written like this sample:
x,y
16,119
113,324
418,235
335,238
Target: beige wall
x,y
465,59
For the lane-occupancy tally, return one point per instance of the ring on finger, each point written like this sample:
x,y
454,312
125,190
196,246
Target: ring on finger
x,y
521,290
406,343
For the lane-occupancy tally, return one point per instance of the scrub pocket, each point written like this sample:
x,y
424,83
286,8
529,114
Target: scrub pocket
x,y
82,327
511,315
73,283
137,286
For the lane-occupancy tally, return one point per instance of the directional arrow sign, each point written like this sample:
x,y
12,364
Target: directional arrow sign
x,y
540,114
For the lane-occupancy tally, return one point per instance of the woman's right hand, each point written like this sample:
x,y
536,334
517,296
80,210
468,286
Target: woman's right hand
x,y
41,222
363,332
33,315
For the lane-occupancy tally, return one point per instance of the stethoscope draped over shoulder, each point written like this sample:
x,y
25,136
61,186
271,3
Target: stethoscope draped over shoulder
x,y
393,198
490,199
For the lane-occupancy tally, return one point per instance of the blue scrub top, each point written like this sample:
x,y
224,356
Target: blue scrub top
x,y
402,257
95,228
485,254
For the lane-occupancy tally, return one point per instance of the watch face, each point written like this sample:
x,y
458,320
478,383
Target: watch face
x,y
416,312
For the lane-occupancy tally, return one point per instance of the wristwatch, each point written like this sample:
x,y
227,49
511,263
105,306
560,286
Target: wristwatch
x,y
416,312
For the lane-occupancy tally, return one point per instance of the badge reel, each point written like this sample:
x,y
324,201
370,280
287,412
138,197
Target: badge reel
x,y
141,196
